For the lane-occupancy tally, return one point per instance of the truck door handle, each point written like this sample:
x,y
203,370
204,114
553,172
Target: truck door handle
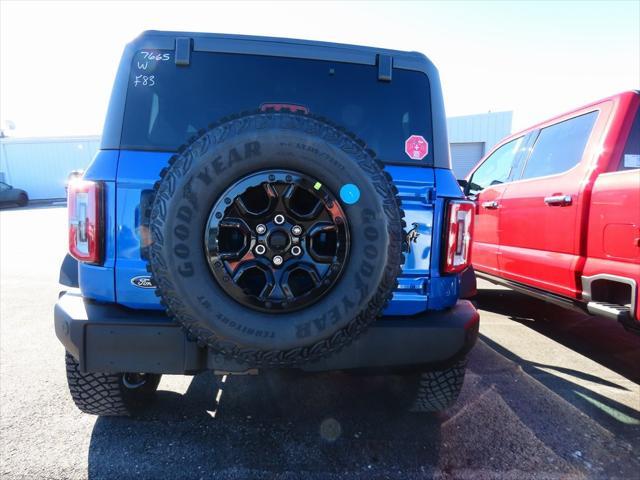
x,y
558,200
490,205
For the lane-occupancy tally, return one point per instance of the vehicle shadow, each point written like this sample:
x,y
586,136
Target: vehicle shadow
x,y
601,339
610,414
270,424
598,339
286,425
584,429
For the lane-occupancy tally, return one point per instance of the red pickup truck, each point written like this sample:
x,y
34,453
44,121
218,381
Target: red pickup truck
x,y
558,210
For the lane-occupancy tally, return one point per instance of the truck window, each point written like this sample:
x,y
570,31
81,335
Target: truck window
x,y
167,104
559,147
631,155
496,168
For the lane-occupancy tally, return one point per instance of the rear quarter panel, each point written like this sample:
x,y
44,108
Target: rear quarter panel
x,y
613,234
614,222
612,240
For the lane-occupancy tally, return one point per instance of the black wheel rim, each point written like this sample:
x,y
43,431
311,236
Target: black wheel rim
x,y
277,240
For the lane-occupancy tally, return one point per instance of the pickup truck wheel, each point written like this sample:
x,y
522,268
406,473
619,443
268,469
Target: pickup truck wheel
x,y
439,389
276,238
108,394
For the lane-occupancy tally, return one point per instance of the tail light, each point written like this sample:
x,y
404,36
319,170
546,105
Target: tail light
x,y
84,203
459,224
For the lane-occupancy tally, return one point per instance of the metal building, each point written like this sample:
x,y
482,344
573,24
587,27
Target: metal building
x,y
472,136
41,165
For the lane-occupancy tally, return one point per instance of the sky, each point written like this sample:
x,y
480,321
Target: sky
x,y
538,59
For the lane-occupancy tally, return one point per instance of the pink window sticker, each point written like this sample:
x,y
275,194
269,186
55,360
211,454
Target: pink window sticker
x,y
416,147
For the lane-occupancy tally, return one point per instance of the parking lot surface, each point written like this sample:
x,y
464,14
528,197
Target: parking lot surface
x,y
549,394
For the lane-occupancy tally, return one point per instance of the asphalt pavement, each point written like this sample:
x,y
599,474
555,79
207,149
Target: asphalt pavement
x,y
549,394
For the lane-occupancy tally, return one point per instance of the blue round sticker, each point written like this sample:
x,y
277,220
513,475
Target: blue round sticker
x,y
349,193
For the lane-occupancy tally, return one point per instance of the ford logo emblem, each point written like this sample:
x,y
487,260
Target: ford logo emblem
x,y
143,282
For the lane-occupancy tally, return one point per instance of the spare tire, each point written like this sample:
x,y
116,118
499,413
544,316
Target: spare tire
x,y
276,238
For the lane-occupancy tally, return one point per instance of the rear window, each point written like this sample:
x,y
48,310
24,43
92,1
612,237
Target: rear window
x,y
167,104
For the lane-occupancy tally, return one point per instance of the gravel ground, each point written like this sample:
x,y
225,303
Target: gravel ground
x,y
522,412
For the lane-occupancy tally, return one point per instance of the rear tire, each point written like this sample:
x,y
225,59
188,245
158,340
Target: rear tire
x,y
438,390
23,200
109,394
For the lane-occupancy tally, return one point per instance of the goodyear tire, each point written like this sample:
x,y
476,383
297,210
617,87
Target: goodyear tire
x,y
439,389
210,206
110,394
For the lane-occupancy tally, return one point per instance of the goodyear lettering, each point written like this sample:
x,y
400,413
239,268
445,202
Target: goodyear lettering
x,y
217,165
204,176
181,250
364,272
234,157
186,269
370,251
370,233
220,163
181,231
184,214
366,269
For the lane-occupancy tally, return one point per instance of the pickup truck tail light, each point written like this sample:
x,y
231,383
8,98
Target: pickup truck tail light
x,y
459,225
84,204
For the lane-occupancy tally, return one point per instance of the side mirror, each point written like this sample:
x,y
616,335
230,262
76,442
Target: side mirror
x,y
465,186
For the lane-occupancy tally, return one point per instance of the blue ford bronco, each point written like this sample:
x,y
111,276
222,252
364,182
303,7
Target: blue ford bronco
x,y
264,203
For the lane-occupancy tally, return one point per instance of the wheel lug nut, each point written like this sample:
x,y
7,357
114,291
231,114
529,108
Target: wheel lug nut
x,y
260,229
260,249
296,230
277,260
278,219
296,250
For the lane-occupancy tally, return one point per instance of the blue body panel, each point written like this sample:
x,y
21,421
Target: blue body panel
x,y
416,188
423,192
137,173
104,166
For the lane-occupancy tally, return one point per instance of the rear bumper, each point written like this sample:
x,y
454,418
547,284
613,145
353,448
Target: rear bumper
x,y
110,338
